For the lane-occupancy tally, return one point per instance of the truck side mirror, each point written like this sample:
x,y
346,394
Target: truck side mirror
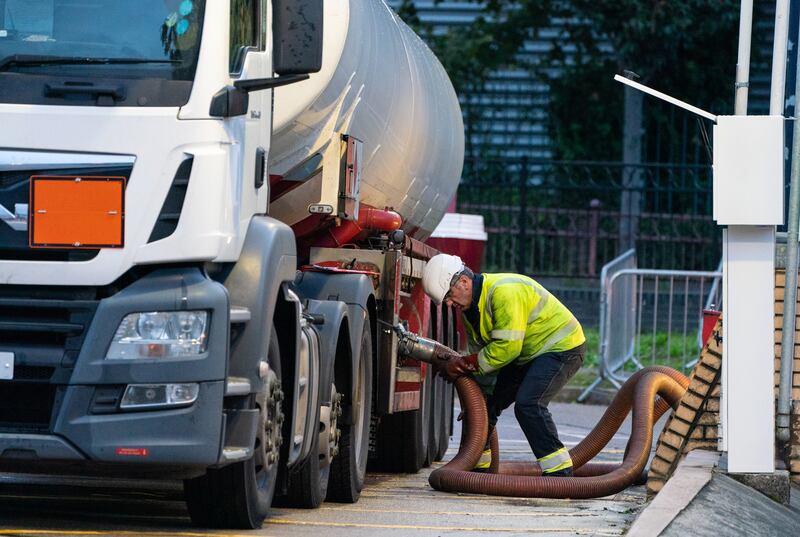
x,y
297,36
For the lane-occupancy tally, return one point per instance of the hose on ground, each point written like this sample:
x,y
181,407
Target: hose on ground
x,y
649,393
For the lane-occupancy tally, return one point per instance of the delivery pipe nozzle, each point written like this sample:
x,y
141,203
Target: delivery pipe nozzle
x,y
421,348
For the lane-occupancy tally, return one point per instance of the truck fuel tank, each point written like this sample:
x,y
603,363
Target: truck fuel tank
x,y
382,85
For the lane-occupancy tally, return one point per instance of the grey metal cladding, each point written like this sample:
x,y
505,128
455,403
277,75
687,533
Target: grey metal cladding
x,y
267,260
354,290
189,437
335,313
173,289
46,447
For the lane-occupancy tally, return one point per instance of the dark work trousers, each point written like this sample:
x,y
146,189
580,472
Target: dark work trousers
x,y
531,387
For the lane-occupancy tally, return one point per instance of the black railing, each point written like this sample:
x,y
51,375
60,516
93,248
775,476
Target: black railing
x,y
567,219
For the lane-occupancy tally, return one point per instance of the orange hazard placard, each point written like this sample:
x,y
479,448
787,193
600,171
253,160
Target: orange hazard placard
x,y
76,212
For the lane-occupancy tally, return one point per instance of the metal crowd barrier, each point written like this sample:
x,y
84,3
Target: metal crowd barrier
x,y
650,317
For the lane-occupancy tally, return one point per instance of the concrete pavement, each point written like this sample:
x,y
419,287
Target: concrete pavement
x,y
407,505
391,504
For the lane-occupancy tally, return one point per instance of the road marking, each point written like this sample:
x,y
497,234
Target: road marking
x,y
458,513
577,531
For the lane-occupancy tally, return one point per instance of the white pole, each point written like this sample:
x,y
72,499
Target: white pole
x,y
743,61
779,49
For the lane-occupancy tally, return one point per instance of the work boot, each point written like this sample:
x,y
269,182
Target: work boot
x,y
564,472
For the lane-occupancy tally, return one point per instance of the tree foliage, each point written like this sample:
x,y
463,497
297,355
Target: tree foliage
x,y
686,48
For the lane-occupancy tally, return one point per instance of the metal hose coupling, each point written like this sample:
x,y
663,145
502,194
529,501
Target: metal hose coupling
x,y
420,348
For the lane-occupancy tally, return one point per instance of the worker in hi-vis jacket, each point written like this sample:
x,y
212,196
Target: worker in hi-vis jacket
x,y
525,344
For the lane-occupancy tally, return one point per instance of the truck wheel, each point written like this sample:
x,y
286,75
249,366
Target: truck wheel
x,y
239,495
307,481
349,467
426,416
403,437
436,404
447,419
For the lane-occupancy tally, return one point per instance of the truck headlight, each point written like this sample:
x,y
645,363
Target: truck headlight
x,y
160,334
147,396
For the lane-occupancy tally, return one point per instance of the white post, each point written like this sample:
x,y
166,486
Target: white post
x,y
748,348
748,400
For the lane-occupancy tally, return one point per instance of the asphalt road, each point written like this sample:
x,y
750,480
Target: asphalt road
x,y
390,504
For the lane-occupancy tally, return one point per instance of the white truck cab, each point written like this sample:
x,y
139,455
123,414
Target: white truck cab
x,y
175,300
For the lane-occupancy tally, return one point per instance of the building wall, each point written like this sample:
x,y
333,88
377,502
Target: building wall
x,y
512,106
794,450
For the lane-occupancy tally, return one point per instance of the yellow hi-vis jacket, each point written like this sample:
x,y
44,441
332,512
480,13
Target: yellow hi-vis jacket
x,y
519,320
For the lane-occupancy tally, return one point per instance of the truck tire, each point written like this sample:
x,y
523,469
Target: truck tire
x,y
436,435
447,420
426,415
349,467
239,495
308,481
403,437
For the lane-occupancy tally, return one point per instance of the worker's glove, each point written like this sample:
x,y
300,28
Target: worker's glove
x,y
441,357
458,367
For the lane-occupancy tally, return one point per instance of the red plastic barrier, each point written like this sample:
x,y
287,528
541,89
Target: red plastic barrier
x,y
709,320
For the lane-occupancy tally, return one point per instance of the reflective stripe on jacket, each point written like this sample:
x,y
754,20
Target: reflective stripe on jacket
x,y
520,320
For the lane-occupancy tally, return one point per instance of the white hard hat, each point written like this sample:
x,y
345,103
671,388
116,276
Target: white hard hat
x,y
438,274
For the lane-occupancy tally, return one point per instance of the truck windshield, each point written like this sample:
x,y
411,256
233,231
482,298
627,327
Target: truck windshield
x,y
107,38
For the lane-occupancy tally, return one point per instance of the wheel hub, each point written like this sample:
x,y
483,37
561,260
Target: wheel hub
x,y
329,433
271,404
336,433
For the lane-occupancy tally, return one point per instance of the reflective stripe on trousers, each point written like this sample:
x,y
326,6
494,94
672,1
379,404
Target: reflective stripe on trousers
x,y
485,461
558,460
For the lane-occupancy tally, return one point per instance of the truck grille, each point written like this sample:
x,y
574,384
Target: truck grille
x,y
26,407
45,335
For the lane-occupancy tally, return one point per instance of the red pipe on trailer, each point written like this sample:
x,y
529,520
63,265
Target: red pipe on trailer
x,y
369,219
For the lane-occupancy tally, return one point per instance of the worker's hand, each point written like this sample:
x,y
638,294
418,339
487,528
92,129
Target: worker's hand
x,y
458,367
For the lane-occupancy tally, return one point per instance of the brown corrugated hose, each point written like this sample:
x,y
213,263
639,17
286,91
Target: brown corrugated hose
x,y
649,392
